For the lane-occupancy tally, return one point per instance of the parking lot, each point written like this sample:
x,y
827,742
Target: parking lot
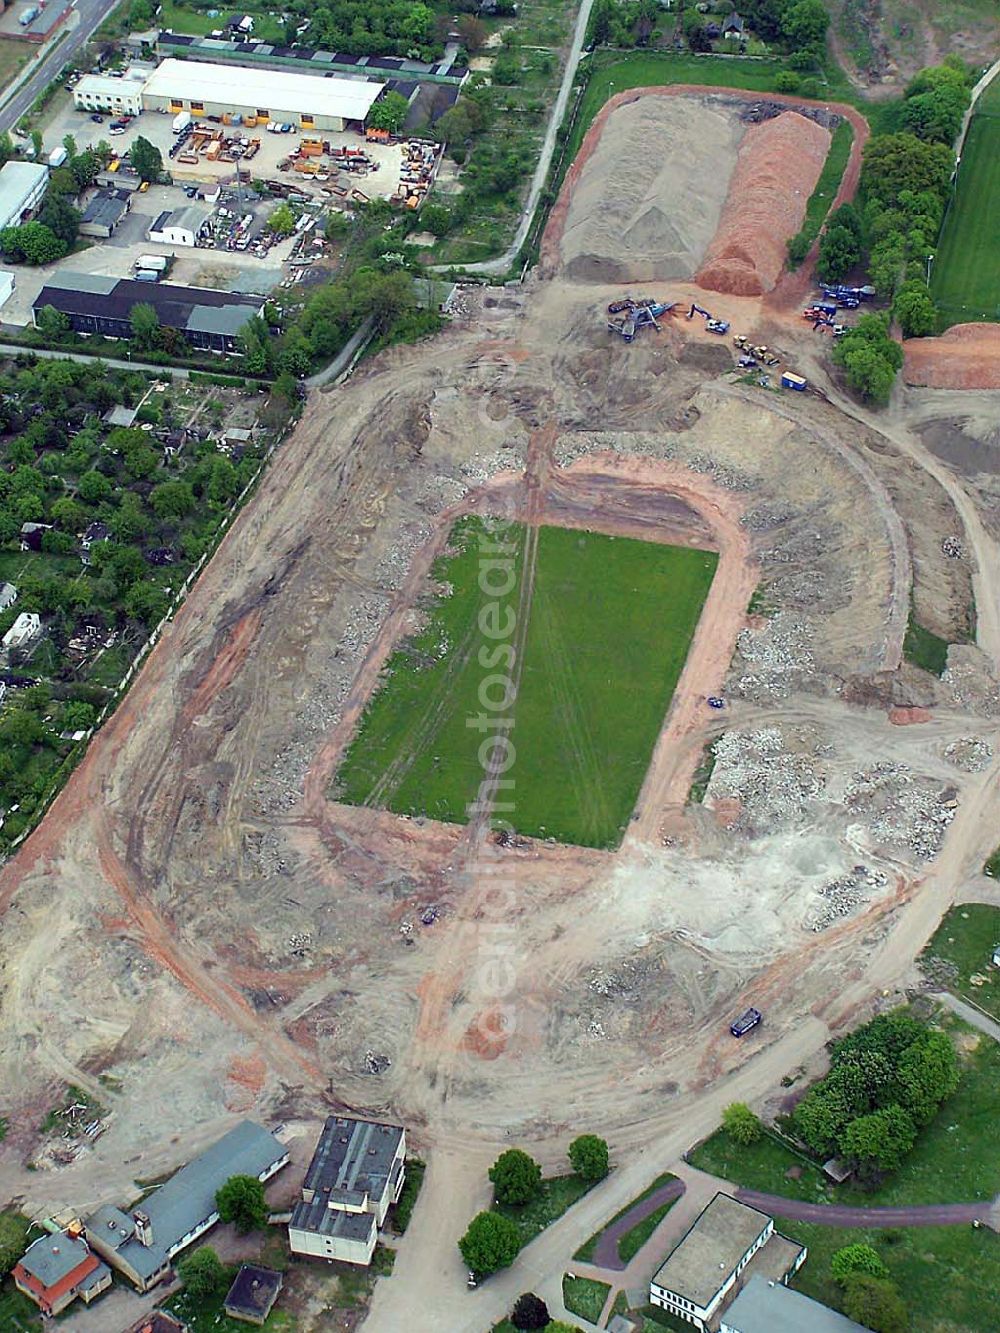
x,y
157,127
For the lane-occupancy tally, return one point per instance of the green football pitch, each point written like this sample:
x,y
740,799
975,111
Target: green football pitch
x,y
609,624
965,279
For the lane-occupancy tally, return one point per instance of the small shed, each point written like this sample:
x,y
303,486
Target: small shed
x,y
8,596
837,1170
996,951
105,212
733,26
253,1293
119,415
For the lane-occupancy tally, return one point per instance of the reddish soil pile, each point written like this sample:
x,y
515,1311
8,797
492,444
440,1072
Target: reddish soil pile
x,y
966,357
908,717
777,168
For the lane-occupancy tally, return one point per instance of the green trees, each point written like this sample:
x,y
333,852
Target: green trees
x,y
741,1124
936,100
876,1304
145,324
389,112
870,358
914,308
61,218
516,1177
172,499
804,25
886,1080
840,246
529,1312
857,1258
146,160
282,221
896,162
588,1157
241,1201
491,1242
31,243
201,1272
52,323
13,1238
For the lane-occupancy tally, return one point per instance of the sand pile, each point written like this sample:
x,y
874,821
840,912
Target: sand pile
x,y
966,357
776,171
648,199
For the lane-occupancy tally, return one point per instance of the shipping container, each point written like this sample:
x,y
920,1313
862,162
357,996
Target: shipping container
x,y
790,381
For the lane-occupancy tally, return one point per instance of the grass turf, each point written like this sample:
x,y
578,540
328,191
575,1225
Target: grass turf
x,y
585,1254
609,627
829,180
585,1296
965,280
558,1194
967,937
922,648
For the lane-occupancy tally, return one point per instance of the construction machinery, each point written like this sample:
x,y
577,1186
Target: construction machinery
x,y
720,326
638,314
698,310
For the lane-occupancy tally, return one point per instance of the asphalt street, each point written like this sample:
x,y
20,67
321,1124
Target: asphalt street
x,y
90,15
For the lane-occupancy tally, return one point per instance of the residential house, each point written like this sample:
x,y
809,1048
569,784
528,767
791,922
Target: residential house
x,y
702,1272
55,1270
253,1293
26,627
8,596
355,1175
733,27
95,532
770,1307
31,535
142,1244
157,1321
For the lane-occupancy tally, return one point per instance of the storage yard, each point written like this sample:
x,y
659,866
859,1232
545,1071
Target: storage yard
x,y
196,897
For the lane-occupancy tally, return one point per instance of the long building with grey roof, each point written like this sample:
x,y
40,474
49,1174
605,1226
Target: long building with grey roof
x,y
142,1243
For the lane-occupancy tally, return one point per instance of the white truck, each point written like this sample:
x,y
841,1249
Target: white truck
x,y
181,121
152,263
58,156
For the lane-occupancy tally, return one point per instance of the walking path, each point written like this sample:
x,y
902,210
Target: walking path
x,y
845,1215
606,1249
973,1016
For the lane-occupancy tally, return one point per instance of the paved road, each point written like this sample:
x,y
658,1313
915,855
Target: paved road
x,y
178,372
970,1014
504,261
606,1249
90,14
843,1215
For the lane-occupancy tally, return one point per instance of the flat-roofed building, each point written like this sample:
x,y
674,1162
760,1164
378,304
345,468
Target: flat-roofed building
x,y
706,1264
101,92
770,1307
309,100
355,1175
22,189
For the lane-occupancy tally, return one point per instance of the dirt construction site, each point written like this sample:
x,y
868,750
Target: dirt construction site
x,y
196,914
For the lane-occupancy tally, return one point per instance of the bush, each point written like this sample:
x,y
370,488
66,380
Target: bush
x,y
588,1157
857,1258
491,1242
741,1124
241,1201
787,81
875,1303
798,247
516,1177
914,309
529,1312
810,88
201,1272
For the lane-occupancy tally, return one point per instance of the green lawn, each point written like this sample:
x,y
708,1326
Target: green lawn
x,y
609,627
585,1296
925,649
13,56
585,1253
558,1194
17,1313
965,280
207,1316
761,1166
948,1276
182,18
635,1238
966,938
956,1158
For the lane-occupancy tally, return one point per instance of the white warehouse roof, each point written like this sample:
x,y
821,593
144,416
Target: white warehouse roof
x,y
277,90
17,182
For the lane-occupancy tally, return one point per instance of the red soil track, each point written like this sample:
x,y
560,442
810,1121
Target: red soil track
x,y
793,286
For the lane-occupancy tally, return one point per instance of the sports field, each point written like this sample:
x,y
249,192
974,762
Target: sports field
x,y
965,281
609,625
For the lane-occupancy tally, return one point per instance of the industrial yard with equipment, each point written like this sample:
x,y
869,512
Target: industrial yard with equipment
x,y
545,743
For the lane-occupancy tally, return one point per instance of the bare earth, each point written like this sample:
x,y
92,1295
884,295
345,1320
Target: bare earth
x,y
197,931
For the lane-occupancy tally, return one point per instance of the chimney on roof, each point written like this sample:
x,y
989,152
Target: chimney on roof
x,y
143,1228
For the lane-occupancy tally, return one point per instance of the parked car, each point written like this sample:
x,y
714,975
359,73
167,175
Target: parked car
x,y
97,118
746,1022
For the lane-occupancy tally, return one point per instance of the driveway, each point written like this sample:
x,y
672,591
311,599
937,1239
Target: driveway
x,y
969,1014
844,1215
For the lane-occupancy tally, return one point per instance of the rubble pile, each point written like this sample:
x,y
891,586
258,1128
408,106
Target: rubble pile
x,y
570,447
969,753
776,655
763,517
952,547
902,809
773,785
263,851
723,474
969,680
620,983
394,566
376,1062
842,897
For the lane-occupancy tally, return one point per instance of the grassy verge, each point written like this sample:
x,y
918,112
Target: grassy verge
x,y
403,1210
583,738
558,1194
827,185
585,1253
964,942
992,866
207,1315
635,1238
702,775
585,1296
17,1313
922,648
763,1165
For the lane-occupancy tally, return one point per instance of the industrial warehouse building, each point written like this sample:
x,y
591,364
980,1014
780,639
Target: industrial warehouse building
x,y
101,92
96,303
308,100
22,188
